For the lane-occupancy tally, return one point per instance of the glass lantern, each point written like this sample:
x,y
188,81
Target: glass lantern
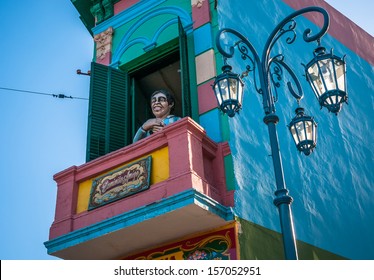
x,y
303,129
326,74
228,88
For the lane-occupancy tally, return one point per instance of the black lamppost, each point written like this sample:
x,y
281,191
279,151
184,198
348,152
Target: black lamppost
x,y
326,75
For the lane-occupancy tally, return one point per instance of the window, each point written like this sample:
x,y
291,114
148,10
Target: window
x,y
163,73
119,98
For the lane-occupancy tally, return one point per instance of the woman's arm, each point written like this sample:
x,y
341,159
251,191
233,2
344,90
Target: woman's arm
x,y
140,134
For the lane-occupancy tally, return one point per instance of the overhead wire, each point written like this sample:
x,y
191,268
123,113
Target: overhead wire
x,y
60,95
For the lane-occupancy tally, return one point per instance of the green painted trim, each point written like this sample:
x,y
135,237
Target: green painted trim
x,y
87,10
151,56
229,172
224,123
225,127
83,7
260,243
147,30
214,20
192,74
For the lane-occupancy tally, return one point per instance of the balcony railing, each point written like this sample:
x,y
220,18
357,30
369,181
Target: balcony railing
x,y
187,173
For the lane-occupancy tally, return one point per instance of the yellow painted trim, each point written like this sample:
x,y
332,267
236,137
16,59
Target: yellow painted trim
x,y
159,173
84,189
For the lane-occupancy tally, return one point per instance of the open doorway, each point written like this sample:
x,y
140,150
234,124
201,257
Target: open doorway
x,y
164,73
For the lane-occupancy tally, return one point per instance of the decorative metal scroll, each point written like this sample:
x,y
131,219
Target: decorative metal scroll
x,y
270,69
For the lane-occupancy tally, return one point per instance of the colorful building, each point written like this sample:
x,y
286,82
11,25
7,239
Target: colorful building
x,y
203,187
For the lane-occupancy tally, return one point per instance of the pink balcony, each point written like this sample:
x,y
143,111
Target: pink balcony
x,y
192,199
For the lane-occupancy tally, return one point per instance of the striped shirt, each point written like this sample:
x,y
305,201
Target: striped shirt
x,y
141,133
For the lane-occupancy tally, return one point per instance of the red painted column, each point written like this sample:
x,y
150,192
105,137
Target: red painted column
x,y
66,202
186,152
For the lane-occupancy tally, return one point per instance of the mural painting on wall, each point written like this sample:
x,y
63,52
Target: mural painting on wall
x,y
217,245
126,181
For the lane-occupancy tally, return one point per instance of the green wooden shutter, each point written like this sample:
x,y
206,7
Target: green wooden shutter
x,y
119,110
97,112
188,73
185,75
108,116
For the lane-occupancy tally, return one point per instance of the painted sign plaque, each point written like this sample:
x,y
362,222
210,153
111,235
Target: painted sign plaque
x,y
126,181
220,244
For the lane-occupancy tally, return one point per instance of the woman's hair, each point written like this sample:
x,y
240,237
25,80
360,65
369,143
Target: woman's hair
x,y
168,94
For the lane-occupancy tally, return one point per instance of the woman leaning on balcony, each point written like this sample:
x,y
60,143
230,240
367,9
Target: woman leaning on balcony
x,y
162,104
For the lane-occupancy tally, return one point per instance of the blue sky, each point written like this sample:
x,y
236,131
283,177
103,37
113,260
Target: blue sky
x,y
359,11
43,44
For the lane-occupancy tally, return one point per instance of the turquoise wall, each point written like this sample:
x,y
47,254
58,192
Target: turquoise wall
x,y
333,188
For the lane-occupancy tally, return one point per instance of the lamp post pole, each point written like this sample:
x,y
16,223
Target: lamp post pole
x,y
282,199
269,71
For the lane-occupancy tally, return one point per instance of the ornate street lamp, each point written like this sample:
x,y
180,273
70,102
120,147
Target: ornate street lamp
x,y
228,88
325,73
303,129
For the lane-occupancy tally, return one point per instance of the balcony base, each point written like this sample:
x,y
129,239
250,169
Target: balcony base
x,y
172,218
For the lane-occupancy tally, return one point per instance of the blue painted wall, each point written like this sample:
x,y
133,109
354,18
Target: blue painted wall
x,y
333,189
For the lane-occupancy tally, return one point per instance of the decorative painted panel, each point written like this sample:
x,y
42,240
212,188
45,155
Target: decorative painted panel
x,y
220,244
159,172
126,181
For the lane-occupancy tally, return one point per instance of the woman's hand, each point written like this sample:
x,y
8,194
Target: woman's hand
x,y
153,125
